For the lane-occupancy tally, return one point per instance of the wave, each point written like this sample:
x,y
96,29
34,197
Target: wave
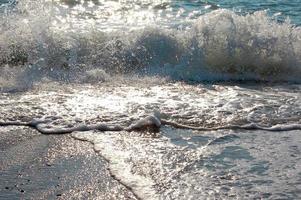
x,y
218,46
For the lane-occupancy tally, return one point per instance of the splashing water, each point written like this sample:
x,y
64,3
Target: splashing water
x,y
114,62
219,45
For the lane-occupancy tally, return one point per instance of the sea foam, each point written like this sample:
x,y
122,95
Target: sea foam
x,y
220,45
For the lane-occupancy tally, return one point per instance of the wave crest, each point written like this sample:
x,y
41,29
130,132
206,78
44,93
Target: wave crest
x,y
251,44
220,45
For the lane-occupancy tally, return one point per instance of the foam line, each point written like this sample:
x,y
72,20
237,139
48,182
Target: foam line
x,y
150,124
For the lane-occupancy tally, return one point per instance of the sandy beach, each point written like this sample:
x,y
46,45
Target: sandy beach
x,y
35,166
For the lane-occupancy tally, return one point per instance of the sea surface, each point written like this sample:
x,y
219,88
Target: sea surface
x,y
197,63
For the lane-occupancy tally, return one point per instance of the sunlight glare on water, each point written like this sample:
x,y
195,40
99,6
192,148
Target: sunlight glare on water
x,y
197,63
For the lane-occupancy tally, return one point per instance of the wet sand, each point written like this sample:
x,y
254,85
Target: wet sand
x,y
35,166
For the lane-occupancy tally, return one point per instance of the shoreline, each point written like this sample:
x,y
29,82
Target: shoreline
x,y
35,166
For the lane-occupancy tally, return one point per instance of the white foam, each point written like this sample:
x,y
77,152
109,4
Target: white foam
x,y
219,45
120,162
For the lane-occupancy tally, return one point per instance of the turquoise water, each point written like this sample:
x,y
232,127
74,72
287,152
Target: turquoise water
x,y
281,9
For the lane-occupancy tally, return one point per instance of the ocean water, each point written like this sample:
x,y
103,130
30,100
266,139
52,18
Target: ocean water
x,y
197,63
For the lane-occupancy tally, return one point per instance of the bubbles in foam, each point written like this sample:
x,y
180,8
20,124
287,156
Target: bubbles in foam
x,y
95,76
251,44
220,45
176,163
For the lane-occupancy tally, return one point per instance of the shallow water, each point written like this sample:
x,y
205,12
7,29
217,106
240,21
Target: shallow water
x,y
181,164
197,63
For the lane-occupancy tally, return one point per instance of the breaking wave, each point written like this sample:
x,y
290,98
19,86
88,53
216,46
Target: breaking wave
x,y
218,46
